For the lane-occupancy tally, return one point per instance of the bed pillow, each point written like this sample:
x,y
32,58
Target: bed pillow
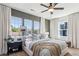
x,y
44,36
36,37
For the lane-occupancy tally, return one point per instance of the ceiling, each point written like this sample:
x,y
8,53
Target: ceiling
x,y
36,8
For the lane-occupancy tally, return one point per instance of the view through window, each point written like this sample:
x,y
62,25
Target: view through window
x,y
15,23
31,26
36,27
28,25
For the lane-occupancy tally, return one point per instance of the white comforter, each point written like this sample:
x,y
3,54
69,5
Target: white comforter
x,y
45,52
61,43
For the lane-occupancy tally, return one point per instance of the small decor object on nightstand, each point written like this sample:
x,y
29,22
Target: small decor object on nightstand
x,y
23,30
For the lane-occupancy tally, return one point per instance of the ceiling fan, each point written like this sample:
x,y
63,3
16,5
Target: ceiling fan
x,y
51,7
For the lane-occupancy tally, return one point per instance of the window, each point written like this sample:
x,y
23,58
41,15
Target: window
x,y
36,27
22,23
63,29
32,26
28,25
15,22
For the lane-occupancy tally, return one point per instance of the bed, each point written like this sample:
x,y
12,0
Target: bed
x,y
45,47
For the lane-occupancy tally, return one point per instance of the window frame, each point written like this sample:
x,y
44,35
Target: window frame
x,y
59,29
23,16
23,25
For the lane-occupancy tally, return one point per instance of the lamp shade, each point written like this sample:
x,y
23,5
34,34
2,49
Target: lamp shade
x,y
22,28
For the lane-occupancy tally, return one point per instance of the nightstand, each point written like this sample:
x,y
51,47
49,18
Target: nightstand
x,y
69,44
13,46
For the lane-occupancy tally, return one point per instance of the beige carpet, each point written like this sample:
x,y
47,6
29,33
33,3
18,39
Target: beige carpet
x,y
72,52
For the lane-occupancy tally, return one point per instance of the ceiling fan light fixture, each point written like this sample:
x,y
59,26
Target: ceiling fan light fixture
x,y
50,10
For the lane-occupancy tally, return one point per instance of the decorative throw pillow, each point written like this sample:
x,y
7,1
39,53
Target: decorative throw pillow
x,y
42,36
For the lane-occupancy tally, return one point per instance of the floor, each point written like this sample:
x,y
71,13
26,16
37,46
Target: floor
x,y
69,52
20,53
72,52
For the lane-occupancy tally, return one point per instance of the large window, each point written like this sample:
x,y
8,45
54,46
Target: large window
x,y
36,27
15,22
28,25
23,23
32,26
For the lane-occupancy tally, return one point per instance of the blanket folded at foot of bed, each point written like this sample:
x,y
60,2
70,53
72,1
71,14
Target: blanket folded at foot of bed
x,y
40,49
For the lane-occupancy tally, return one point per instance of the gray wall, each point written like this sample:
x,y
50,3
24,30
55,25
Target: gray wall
x,y
47,26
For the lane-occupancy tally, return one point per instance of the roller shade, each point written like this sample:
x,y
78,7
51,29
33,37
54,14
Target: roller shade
x,y
24,15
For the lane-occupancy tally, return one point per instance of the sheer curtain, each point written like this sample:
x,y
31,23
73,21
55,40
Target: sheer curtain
x,y
42,27
73,30
5,14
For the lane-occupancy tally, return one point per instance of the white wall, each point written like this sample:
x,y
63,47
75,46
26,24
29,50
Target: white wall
x,y
54,28
73,29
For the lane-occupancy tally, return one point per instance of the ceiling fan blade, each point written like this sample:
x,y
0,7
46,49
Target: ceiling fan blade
x,y
44,11
55,4
51,12
44,5
59,8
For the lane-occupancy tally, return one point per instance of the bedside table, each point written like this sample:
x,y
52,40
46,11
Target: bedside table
x,y
13,46
69,44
